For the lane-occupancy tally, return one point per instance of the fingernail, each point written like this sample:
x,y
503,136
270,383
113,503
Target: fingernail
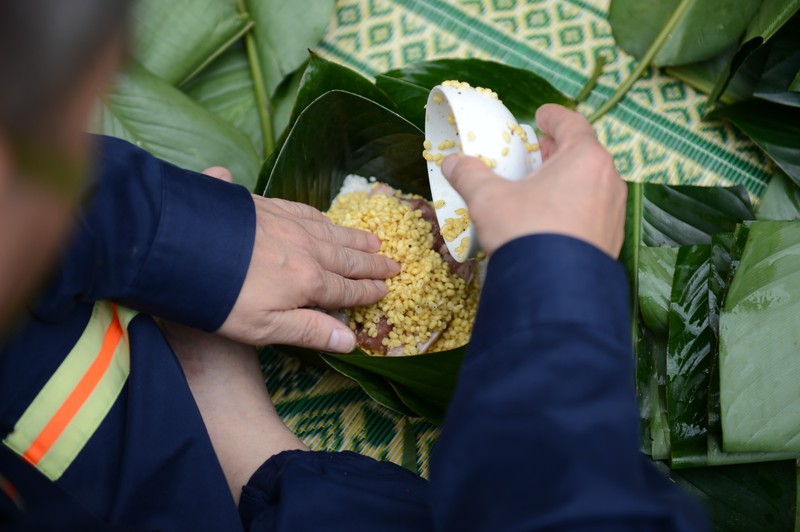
x,y
342,341
395,266
381,285
449,164
376,242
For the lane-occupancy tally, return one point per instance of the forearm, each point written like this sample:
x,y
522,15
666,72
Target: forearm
x,y
160,239
542,429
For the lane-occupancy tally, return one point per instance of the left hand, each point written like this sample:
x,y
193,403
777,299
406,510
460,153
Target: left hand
x,y
300,260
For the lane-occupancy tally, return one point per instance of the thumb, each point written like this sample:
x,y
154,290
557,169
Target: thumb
x,y
219,172
467,175
312,329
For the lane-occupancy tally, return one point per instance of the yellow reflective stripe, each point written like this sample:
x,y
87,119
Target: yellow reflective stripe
x,y
67,411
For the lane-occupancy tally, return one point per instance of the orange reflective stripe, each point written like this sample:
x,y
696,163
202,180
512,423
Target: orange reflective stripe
x,y
70,407
79,394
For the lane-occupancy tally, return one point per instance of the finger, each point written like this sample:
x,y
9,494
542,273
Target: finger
x,y
353,264
336,292
562,124
219,172
312,329
547,145
467,175
344,236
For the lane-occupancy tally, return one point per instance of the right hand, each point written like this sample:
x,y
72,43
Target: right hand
x,y
577,191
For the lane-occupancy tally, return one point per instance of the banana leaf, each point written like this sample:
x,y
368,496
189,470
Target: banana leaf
x,y
283,33
145,110
175,40
774,128
795,85
651,362
378,388
768,20
635,24
781,200
663,215
743,497
720,271
704,75
688,361
719,275
781,67
226,89
522,91
656,272
319,77
759,366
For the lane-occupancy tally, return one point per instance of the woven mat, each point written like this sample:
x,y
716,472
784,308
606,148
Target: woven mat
x,y
655,135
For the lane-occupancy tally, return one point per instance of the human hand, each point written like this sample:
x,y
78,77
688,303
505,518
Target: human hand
x,y
300,260
577,191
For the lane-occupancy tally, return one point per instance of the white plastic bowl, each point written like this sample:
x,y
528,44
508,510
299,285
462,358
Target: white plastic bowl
x,y
480,125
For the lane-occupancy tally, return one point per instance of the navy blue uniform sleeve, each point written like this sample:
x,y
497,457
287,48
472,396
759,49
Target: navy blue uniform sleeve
x,y
541,432
160,239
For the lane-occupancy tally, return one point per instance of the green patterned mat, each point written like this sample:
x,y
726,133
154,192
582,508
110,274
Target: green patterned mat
x,y
655,134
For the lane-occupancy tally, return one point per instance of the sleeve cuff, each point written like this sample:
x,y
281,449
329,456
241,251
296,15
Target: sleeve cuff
x,y
199,258
550,278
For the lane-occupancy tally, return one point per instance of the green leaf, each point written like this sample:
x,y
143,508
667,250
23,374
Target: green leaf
x,y
226,89
176,39
655,351
522,91
343,133
781,200
409,98
635,23
423,408
146,111
656,271
431,377
321,76
774,128
686,215
689,355
283,33
662,215
373,385
781,67
743,497
719,275
409,459
759,366
770,17
721,268
795,85
704,75
283,102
